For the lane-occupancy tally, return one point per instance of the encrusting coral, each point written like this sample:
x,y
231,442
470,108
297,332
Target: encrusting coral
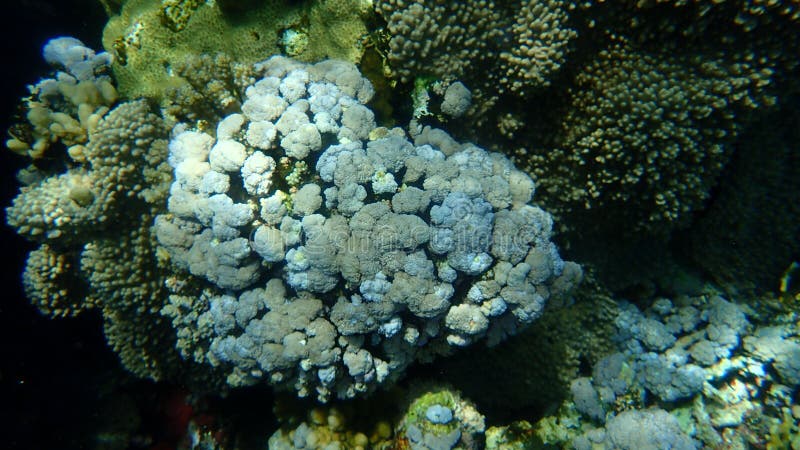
x,y
150,38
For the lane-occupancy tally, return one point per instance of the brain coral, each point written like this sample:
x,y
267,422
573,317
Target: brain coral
x,y
324,255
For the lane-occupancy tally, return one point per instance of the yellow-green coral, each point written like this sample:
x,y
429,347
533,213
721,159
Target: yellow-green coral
x,y
465,426
416,412
67,117
519,435
352,426
337,29
176,13
51,283
149,38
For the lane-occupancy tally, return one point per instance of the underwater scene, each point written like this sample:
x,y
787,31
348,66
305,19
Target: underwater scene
x,y
401,224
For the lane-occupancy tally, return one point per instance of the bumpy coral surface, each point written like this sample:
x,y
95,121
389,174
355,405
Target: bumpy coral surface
x,y
644,137
335,253
652,428
440,38
150,38
66,107
725,372
625,113
519,44
493,48
93,226
539,46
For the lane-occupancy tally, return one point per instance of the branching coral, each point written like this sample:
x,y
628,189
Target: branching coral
x,y
66,107
92,222
513,47
644,139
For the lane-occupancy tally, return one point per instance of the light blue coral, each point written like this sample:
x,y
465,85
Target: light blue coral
x,y
707,365
360,257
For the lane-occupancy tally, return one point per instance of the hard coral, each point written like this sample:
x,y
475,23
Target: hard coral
x,y
151,38
335,283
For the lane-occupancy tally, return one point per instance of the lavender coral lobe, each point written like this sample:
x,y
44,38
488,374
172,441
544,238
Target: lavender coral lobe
x,y
361,257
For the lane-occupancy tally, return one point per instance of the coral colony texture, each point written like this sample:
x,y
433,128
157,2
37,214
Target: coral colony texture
x,y
151,38
300,244
625,113
363,206
333,277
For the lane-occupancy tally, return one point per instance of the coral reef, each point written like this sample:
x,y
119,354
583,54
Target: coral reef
x,y
92,224
65,108
150,38
300,245
332,281
710,371
641,153
241,224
